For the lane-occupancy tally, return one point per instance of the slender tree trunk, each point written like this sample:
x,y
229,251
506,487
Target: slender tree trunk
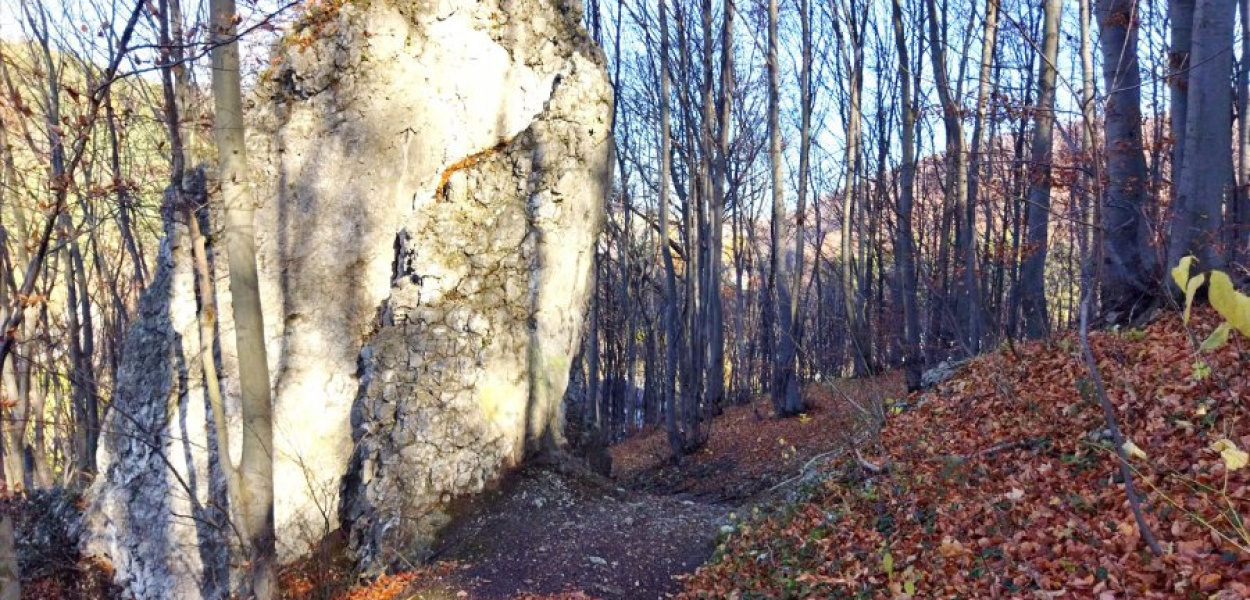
x,y
988,45
256,460
1240,225
860,346
125,223
672,342
716,311
593,418
784,359
13,418
1018,203
1033,271
743,363
793,398
90,390
78,370
966,304
904,245
713,326
1088,179
1181,18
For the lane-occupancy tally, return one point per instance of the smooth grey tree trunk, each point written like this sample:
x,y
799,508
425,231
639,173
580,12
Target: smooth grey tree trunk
x,y
1204,181
719,161
1240,225
784,395
672,340
904,244
1127,256
1181,19
1033,271
794,336
967,309
974,321
860,346
1087,181
256,459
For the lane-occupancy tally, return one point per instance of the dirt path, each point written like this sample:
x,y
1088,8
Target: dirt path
x,y
548,533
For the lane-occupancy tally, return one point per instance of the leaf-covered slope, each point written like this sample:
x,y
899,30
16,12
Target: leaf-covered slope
x,y
1004,483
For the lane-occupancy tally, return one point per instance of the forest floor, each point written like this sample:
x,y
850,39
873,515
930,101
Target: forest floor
x,y
1002,482
561,534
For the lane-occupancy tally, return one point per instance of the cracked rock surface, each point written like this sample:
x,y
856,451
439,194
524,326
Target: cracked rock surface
x,y
429,177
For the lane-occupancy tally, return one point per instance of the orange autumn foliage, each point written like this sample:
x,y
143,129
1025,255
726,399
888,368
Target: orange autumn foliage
x,y
1001,483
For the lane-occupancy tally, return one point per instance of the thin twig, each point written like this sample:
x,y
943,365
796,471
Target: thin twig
x,y
868,466
1116,437
805,470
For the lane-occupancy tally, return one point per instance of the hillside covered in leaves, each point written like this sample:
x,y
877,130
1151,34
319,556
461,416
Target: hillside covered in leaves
x,y
1003,483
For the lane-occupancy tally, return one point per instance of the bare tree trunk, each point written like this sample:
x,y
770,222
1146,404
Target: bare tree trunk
x,y
1125,283
720,160
256,460
784,359
1181,18
79,372
593,418
1205,178
976,299
904,244
966,305
1033,271
853,298
176,90
793,399
712,195
1088,180
91,394
12,418
1018,202
672,340
125,223
1240,225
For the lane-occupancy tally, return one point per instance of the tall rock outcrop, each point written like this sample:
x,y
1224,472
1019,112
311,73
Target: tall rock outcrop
x,y
430,177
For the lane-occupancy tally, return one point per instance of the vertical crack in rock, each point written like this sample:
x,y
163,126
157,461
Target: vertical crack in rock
x,y
429,179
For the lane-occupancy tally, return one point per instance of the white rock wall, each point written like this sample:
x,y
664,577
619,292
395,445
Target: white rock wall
x,y
429,178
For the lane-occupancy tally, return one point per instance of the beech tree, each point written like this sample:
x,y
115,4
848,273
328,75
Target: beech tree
x,y
254,500
1204,165
1033,271
1128,263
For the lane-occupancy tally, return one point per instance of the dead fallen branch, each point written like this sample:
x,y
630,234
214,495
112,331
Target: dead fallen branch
x,y
1116,436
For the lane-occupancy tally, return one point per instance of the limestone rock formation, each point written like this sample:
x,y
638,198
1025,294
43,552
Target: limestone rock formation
x,y
429,177
155,510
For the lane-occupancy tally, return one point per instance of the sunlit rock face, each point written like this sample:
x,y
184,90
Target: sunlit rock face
x,y
429,178
155,510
